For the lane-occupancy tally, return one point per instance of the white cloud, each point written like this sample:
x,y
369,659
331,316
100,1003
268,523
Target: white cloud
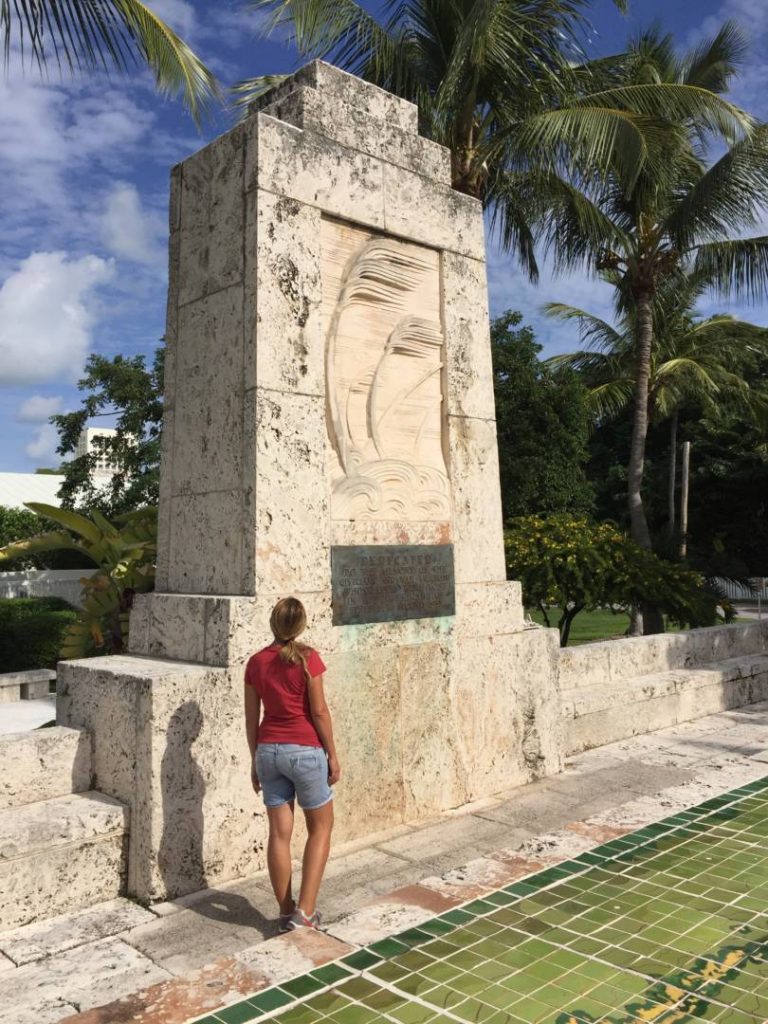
x,y
128,230
510,288
42,447
39,409
46,316
179,14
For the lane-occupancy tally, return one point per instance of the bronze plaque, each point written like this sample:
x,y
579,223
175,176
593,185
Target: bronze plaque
x,y
385,582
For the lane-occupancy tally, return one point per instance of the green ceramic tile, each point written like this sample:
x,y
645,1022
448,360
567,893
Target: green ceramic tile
x,y
361,959
330,973
270,999
303,986
237,1014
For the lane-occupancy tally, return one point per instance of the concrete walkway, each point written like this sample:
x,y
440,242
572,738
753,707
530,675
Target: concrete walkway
x,y
168,964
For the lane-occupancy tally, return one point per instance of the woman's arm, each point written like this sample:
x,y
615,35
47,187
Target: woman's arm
x,y
252,716
321,717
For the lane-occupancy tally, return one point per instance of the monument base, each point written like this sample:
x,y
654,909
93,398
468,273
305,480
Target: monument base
x,y
429,715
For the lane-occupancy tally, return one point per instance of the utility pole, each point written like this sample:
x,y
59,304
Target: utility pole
x,y
684,488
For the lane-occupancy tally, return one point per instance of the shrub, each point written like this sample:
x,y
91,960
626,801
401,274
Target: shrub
x,y
574,564
31,630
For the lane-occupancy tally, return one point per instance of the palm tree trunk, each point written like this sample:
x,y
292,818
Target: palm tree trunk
x,y
643,341
646,619
671,510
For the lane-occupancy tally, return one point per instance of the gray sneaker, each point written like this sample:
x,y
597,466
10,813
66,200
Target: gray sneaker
x,y
300,920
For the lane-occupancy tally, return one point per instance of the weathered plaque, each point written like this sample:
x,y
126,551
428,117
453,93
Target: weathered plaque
x,y
385,582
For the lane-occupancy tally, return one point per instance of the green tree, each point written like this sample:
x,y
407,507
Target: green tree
x,y
696,363
21,524
130,393
542,424
574,564
672,216
498,82
99,34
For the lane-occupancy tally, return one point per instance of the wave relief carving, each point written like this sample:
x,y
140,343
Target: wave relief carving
x,y
384,363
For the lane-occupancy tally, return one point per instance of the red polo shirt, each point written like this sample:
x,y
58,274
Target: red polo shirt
x,y
282,688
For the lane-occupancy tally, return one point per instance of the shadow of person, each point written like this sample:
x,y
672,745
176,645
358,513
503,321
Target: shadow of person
x,y
180,856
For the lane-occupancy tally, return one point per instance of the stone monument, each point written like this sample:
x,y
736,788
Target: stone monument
x,y
329,433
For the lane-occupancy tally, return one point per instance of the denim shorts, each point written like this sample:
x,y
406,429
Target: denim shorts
x,y
288,770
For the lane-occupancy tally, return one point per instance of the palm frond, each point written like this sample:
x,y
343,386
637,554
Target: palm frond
x,y
728,196
738,268
593,331
98,34
674,103
714,62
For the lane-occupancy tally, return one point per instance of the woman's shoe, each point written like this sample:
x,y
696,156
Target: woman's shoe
x,y
299,919
284,921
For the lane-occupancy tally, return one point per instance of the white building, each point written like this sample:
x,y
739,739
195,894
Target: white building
x,y
88,445
18,488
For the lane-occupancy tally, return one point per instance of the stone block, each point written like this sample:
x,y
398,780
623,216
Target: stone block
x,y
348,92
211,219
474,471
358,128
487,609
507,713
363,694
86,976
469,372
66,931
421,210
586,665
315,171
42,764
285,349
433,777
208,415
60,854
292,519
206,544
168,740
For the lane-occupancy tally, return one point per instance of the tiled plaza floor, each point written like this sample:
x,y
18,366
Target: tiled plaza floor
x,y
668,924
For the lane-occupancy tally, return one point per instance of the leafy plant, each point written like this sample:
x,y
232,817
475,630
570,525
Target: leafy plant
x,y
573,563
94,34
124,553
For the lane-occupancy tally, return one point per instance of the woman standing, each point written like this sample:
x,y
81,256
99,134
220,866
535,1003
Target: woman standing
x,y
293,756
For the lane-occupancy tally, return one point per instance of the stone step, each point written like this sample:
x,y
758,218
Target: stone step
x,y
599,714
60,854
29,685
42,764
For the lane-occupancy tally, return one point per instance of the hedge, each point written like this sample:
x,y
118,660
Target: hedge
x,y
31,629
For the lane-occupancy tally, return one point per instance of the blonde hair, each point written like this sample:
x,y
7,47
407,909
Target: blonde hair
x,y
287,621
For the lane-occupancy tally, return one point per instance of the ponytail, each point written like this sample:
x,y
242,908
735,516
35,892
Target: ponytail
x,y
287,621
294,654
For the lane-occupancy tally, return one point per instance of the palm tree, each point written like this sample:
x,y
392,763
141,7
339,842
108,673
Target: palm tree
x,y
503,84
90,34
677,216
695,361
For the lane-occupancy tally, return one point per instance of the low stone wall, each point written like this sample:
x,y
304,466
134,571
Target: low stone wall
x,y
610,691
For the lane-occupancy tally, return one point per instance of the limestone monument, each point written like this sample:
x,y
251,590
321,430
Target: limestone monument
x,y
329,432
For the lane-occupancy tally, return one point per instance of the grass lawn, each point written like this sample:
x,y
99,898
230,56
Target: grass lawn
x,y
599,625
587,626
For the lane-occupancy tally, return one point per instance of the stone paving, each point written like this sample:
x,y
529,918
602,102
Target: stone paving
x,y
456,892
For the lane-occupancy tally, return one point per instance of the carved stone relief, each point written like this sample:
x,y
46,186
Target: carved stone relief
x,y
384,377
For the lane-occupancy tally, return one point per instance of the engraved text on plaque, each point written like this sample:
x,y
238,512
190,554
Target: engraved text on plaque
x,y
385,582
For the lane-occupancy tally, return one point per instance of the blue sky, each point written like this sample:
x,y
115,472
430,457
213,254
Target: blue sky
x,y
84,167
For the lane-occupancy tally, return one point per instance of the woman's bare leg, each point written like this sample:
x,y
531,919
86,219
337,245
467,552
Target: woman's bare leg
x,y
319,826
279,854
